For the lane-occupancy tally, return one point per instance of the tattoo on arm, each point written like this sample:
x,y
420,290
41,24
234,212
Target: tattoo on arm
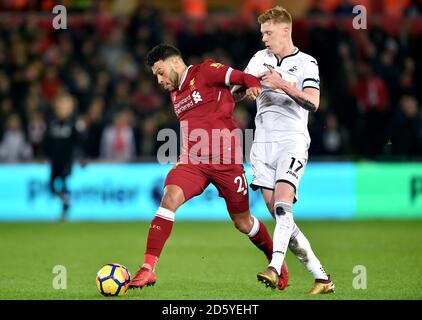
x,y
305,104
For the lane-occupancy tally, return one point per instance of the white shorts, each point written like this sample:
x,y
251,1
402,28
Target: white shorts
x,y
273,162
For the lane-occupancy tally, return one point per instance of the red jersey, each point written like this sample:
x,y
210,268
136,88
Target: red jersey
x,y
204,106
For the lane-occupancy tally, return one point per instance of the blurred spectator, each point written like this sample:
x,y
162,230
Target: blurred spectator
x,y
251,9
366,48
51,84
316,8
395,8
334,138
406,130
4,85
94,124
119,102
102,85
148,144
316,123
145,25
372,102
32,104
113,49
80,87
13,147
406,84
146,98
389,71
36,131
6,110
62,140
414,9
118,141
345,7
325,5
197,9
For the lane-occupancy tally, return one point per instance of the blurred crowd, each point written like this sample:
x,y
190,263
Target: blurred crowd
x,y
370,103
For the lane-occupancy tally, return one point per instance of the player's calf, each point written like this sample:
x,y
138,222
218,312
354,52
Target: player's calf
x,y
259,236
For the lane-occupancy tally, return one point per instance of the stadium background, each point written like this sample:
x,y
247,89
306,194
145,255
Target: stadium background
x,y
366,150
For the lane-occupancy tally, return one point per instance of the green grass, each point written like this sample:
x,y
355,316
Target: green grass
x,y
208,260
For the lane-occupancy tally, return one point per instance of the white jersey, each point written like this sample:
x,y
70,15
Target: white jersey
x,y
278,116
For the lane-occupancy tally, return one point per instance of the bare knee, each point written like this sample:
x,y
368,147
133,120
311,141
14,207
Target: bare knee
x,y
284,192
173,198
243,222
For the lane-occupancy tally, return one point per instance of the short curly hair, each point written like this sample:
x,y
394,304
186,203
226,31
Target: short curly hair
x,y
161,52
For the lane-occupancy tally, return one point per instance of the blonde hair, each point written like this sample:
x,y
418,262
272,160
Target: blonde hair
x,y
277,14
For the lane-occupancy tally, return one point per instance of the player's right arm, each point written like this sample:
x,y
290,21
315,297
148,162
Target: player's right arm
x,y
220,75
238,91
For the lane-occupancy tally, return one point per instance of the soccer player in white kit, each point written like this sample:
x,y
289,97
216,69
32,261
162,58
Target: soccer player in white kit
x,y
279,154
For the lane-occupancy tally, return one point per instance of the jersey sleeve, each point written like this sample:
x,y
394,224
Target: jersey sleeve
x,y
253,65
311,75
216,74
251,68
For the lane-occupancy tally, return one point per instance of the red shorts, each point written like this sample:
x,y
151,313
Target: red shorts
x,y
229,179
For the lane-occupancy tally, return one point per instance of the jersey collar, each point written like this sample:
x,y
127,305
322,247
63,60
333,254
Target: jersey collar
x,y
184,75
279,61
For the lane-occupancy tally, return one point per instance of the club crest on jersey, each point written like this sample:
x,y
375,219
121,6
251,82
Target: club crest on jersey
x,y
196,97
216,65
293,69
192,84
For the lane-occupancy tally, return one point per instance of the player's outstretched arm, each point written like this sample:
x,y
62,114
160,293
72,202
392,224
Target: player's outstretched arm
x,y
307,99
220,75
248,81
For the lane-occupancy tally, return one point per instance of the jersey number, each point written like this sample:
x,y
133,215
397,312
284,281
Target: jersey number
x,y
293,163
243,184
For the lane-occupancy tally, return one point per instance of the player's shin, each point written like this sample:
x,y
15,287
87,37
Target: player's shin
x,y
261,238
301,248
282,233
159,231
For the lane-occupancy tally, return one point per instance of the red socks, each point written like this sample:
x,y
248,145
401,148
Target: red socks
x,y
261,238
159,232
162,224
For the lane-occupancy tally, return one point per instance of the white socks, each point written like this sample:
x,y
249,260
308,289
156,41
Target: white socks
x,y
283,230
287,234
301,248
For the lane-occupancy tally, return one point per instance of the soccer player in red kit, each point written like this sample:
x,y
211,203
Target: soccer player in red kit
x,y
203,103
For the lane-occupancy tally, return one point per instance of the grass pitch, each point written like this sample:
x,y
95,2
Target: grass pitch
x,y
209,260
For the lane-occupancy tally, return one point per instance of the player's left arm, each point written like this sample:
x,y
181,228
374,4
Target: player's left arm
x,y
308,98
